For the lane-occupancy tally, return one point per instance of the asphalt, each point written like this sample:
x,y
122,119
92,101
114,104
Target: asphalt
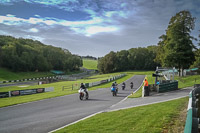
x,y
19,83
152,99
50,114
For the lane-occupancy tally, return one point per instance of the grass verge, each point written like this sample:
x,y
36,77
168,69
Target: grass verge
x,y
188,81
145,119
6,74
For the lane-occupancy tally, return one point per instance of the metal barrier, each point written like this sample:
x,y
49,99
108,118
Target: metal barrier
x,y
87,85
192,120
163,87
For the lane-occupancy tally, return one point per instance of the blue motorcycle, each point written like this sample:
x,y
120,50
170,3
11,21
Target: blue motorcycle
x,y
114,91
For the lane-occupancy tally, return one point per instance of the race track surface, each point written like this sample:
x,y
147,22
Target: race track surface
x,y
50,114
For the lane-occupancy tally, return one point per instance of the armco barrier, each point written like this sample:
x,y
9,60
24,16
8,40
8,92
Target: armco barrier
x,y
163,87
106,80
192,120
87,85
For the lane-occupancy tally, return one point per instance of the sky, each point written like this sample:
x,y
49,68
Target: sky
x,y
93,27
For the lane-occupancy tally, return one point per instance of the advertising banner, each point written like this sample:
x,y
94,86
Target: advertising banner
x,y
4,94
27,92
15,93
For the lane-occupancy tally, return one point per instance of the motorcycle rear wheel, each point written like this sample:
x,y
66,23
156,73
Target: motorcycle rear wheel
x,y
87,96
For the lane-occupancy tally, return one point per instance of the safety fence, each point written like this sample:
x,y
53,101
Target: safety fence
x,y
30,79
25,92
87,85
169,86
193,113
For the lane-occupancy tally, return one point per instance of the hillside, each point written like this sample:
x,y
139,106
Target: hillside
x,y
90,64
6,74
26,55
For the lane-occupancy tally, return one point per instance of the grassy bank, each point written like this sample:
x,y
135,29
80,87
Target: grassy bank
x,y
90,64
6,74
188,81
145,119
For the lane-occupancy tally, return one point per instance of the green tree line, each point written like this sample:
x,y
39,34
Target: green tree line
x,y
132,59
175,49
20,54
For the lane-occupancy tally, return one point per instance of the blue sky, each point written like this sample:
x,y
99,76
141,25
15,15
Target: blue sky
x,y
93,27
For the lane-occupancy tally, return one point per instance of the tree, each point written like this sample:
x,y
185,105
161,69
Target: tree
x,y
160,51
122,60
178,46
197,57
28,55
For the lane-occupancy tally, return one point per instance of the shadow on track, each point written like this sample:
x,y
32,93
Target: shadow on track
x,y
91,99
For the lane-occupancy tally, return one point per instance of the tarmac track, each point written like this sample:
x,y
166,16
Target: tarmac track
x,y
50,114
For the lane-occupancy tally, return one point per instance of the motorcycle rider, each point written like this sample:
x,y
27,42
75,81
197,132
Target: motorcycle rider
x,y
84,88
131,85
123,85
116,86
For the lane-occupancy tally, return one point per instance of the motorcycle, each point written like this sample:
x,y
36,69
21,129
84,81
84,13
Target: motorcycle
x,y
83,94
131,85
114,91
123,86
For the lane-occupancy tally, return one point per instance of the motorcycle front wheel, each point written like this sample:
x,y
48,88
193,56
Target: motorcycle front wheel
x,y
81,96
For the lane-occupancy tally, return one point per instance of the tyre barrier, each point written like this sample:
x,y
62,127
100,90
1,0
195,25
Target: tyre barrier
x,y
192,120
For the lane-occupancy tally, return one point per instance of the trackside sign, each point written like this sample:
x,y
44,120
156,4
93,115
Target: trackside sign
x,y
25,92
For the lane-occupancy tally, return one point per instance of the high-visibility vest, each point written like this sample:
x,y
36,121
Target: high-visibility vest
x,y
146,83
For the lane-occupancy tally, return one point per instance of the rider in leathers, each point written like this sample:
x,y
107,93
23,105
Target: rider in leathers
x,y
83,87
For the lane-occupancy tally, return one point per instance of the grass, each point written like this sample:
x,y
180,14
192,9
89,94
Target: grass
x,y
6,74
90,64
144,119
188,81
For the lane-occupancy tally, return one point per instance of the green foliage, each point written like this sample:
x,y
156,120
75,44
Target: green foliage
x,y
90,64
133,59
176,47
146,119
28,55
197,60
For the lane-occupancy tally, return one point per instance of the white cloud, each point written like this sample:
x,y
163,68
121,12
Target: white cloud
x,y
88,27
34,30
91,30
